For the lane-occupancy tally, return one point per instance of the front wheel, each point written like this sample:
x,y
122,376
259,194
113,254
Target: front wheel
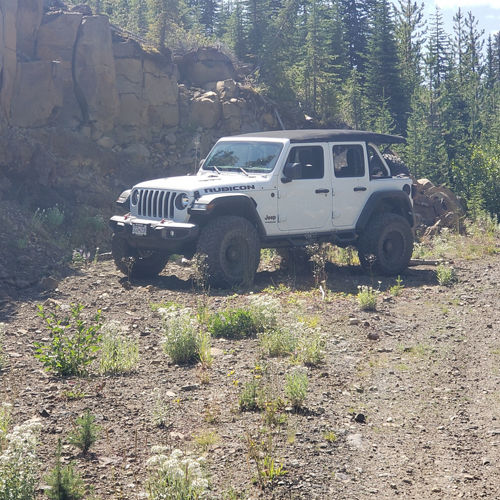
x,y
134,263
232,249
386,245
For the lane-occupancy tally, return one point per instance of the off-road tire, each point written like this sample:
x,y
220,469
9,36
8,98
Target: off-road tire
x,y
386,245
136,264
395,164
232,247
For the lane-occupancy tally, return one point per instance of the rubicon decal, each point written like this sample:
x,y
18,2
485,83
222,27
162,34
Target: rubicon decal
x,y
224,189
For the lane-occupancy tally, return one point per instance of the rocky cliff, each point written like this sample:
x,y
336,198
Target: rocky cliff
x,y
71,69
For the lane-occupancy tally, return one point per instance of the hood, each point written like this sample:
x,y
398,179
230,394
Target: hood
x,y
204,184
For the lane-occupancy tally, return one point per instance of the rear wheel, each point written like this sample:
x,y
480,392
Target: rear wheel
x,y
134,263
386,245
232,249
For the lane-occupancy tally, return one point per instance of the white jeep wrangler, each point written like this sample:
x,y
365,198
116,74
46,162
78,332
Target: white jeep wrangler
x,y
277,189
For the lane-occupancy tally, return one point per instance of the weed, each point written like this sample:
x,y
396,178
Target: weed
x,y
446,275
201,273
52,217
18,462
212,413
330,436
65,483
206,439
311,347
175,476
273,417
80,257
396,289
281,289
205,353
73,344
261,452
85,433
164,307
248,399
367,298
118,353
296,387
182,339
161,413
318,255
280,341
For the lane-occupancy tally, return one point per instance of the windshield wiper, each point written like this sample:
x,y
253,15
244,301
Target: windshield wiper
x,y
244,171
216,169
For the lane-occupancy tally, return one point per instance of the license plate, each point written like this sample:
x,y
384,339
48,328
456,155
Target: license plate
x,y
139,229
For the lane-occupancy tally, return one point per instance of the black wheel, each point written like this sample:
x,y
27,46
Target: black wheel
x,y
136,263
232,247
386,245
395,164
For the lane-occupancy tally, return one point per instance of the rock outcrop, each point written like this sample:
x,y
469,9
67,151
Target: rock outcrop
x,y
69,69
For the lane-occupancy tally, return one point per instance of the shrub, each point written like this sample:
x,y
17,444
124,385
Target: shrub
x,y
296,387
311,347
18,462
183,340
445,275
175,476
5,409
2,356
65,483
85,433
73,344
118,353
234,324
281,341
367,298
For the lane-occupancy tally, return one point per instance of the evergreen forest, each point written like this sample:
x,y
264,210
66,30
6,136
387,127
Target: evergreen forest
x,y
364,64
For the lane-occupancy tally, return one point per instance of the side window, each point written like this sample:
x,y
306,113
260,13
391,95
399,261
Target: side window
x,y
376,166
348,160
311,160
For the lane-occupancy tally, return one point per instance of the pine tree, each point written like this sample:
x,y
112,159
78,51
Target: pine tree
x,y
383,80
356,28
410,31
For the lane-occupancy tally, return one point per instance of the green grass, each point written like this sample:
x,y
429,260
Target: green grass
x,y
119,354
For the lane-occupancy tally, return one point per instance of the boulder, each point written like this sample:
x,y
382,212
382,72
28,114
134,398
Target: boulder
x,y
227,89
231,110
94,71
36,98
132,111
126,48
205,110
57,36
166,115
205,65
28,20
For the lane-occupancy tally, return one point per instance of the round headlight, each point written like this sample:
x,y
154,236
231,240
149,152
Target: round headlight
x,y
181,201
135,197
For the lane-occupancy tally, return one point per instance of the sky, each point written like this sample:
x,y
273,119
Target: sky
x,y
487,12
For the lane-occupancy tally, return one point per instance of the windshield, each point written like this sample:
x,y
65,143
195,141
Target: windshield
x,y
247,156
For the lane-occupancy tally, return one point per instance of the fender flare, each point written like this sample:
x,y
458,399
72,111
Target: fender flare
x,y
397,202
237,204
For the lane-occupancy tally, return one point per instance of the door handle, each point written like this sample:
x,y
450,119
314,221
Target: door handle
x,y
320,191
360,188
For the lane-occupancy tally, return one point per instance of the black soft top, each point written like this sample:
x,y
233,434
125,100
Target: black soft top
x,y
328,135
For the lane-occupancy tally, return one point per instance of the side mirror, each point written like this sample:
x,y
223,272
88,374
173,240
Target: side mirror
x,y
291,171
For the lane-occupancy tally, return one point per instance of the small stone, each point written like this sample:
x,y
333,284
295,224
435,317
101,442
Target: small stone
x,y
190,387
44,413
360,418
354,321
373,336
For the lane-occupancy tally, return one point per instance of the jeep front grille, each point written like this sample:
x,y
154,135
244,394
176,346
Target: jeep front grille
x,y
156,203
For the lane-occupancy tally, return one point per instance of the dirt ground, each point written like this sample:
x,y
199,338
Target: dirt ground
x,y
423,370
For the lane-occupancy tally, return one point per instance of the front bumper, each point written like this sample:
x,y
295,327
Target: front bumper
x,y
164,235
